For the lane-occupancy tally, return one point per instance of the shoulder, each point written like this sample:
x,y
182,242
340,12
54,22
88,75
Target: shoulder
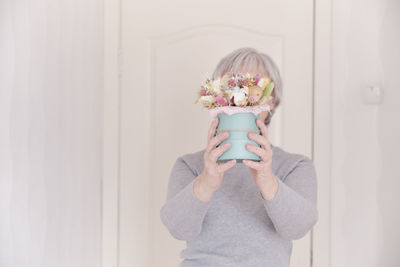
x,y
194,161
284,162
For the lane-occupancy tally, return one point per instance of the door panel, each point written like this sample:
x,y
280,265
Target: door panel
x,y
166,50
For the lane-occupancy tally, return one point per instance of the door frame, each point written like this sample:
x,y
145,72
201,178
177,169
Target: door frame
x,y
110,185
321,151
322,120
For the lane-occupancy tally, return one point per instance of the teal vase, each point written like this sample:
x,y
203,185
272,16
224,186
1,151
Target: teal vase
x,y
238,125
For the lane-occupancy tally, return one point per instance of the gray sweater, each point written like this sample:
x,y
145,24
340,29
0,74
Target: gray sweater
x,y
238,227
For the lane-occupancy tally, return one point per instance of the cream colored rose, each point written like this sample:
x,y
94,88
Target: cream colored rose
x,y
207,100
217,87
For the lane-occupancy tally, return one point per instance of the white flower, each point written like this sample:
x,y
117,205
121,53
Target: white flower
x,y
240,98
239,95
236,89
260,82
207,100
216,85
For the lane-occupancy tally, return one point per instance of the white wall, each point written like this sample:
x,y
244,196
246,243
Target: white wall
x,y
51,64
365,179
51,82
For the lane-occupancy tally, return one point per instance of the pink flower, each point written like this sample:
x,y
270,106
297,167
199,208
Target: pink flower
x,y
246,82
252,99
232,83
203,91
221,101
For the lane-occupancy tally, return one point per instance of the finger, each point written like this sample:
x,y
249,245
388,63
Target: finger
x,y
216,140
263,128
225,166
261,140
213,127
214,155
254,165
264,132
258,151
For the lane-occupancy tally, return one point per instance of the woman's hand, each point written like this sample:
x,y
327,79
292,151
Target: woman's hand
x,y
262,171
211,177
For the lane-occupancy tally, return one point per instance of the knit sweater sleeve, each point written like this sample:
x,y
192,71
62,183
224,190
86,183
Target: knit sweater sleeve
x,y
183,213
293,210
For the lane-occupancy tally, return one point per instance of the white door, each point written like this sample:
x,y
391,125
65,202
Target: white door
x,y
167,47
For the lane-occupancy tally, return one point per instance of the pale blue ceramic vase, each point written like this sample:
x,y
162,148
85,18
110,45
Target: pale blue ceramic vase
x,y
238,125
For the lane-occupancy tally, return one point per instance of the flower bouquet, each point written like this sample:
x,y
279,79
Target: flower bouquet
x,y
237,100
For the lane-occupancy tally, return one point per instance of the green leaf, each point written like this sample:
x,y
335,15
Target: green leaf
x,y
267,92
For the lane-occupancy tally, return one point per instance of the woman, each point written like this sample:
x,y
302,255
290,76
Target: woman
x,y
241,214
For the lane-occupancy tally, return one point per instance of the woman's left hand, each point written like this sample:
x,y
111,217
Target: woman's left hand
x,y
262,171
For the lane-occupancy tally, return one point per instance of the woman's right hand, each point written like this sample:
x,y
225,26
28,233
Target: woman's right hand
x,y
211,177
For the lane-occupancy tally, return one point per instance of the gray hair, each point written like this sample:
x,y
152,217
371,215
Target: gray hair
x,y
243,60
